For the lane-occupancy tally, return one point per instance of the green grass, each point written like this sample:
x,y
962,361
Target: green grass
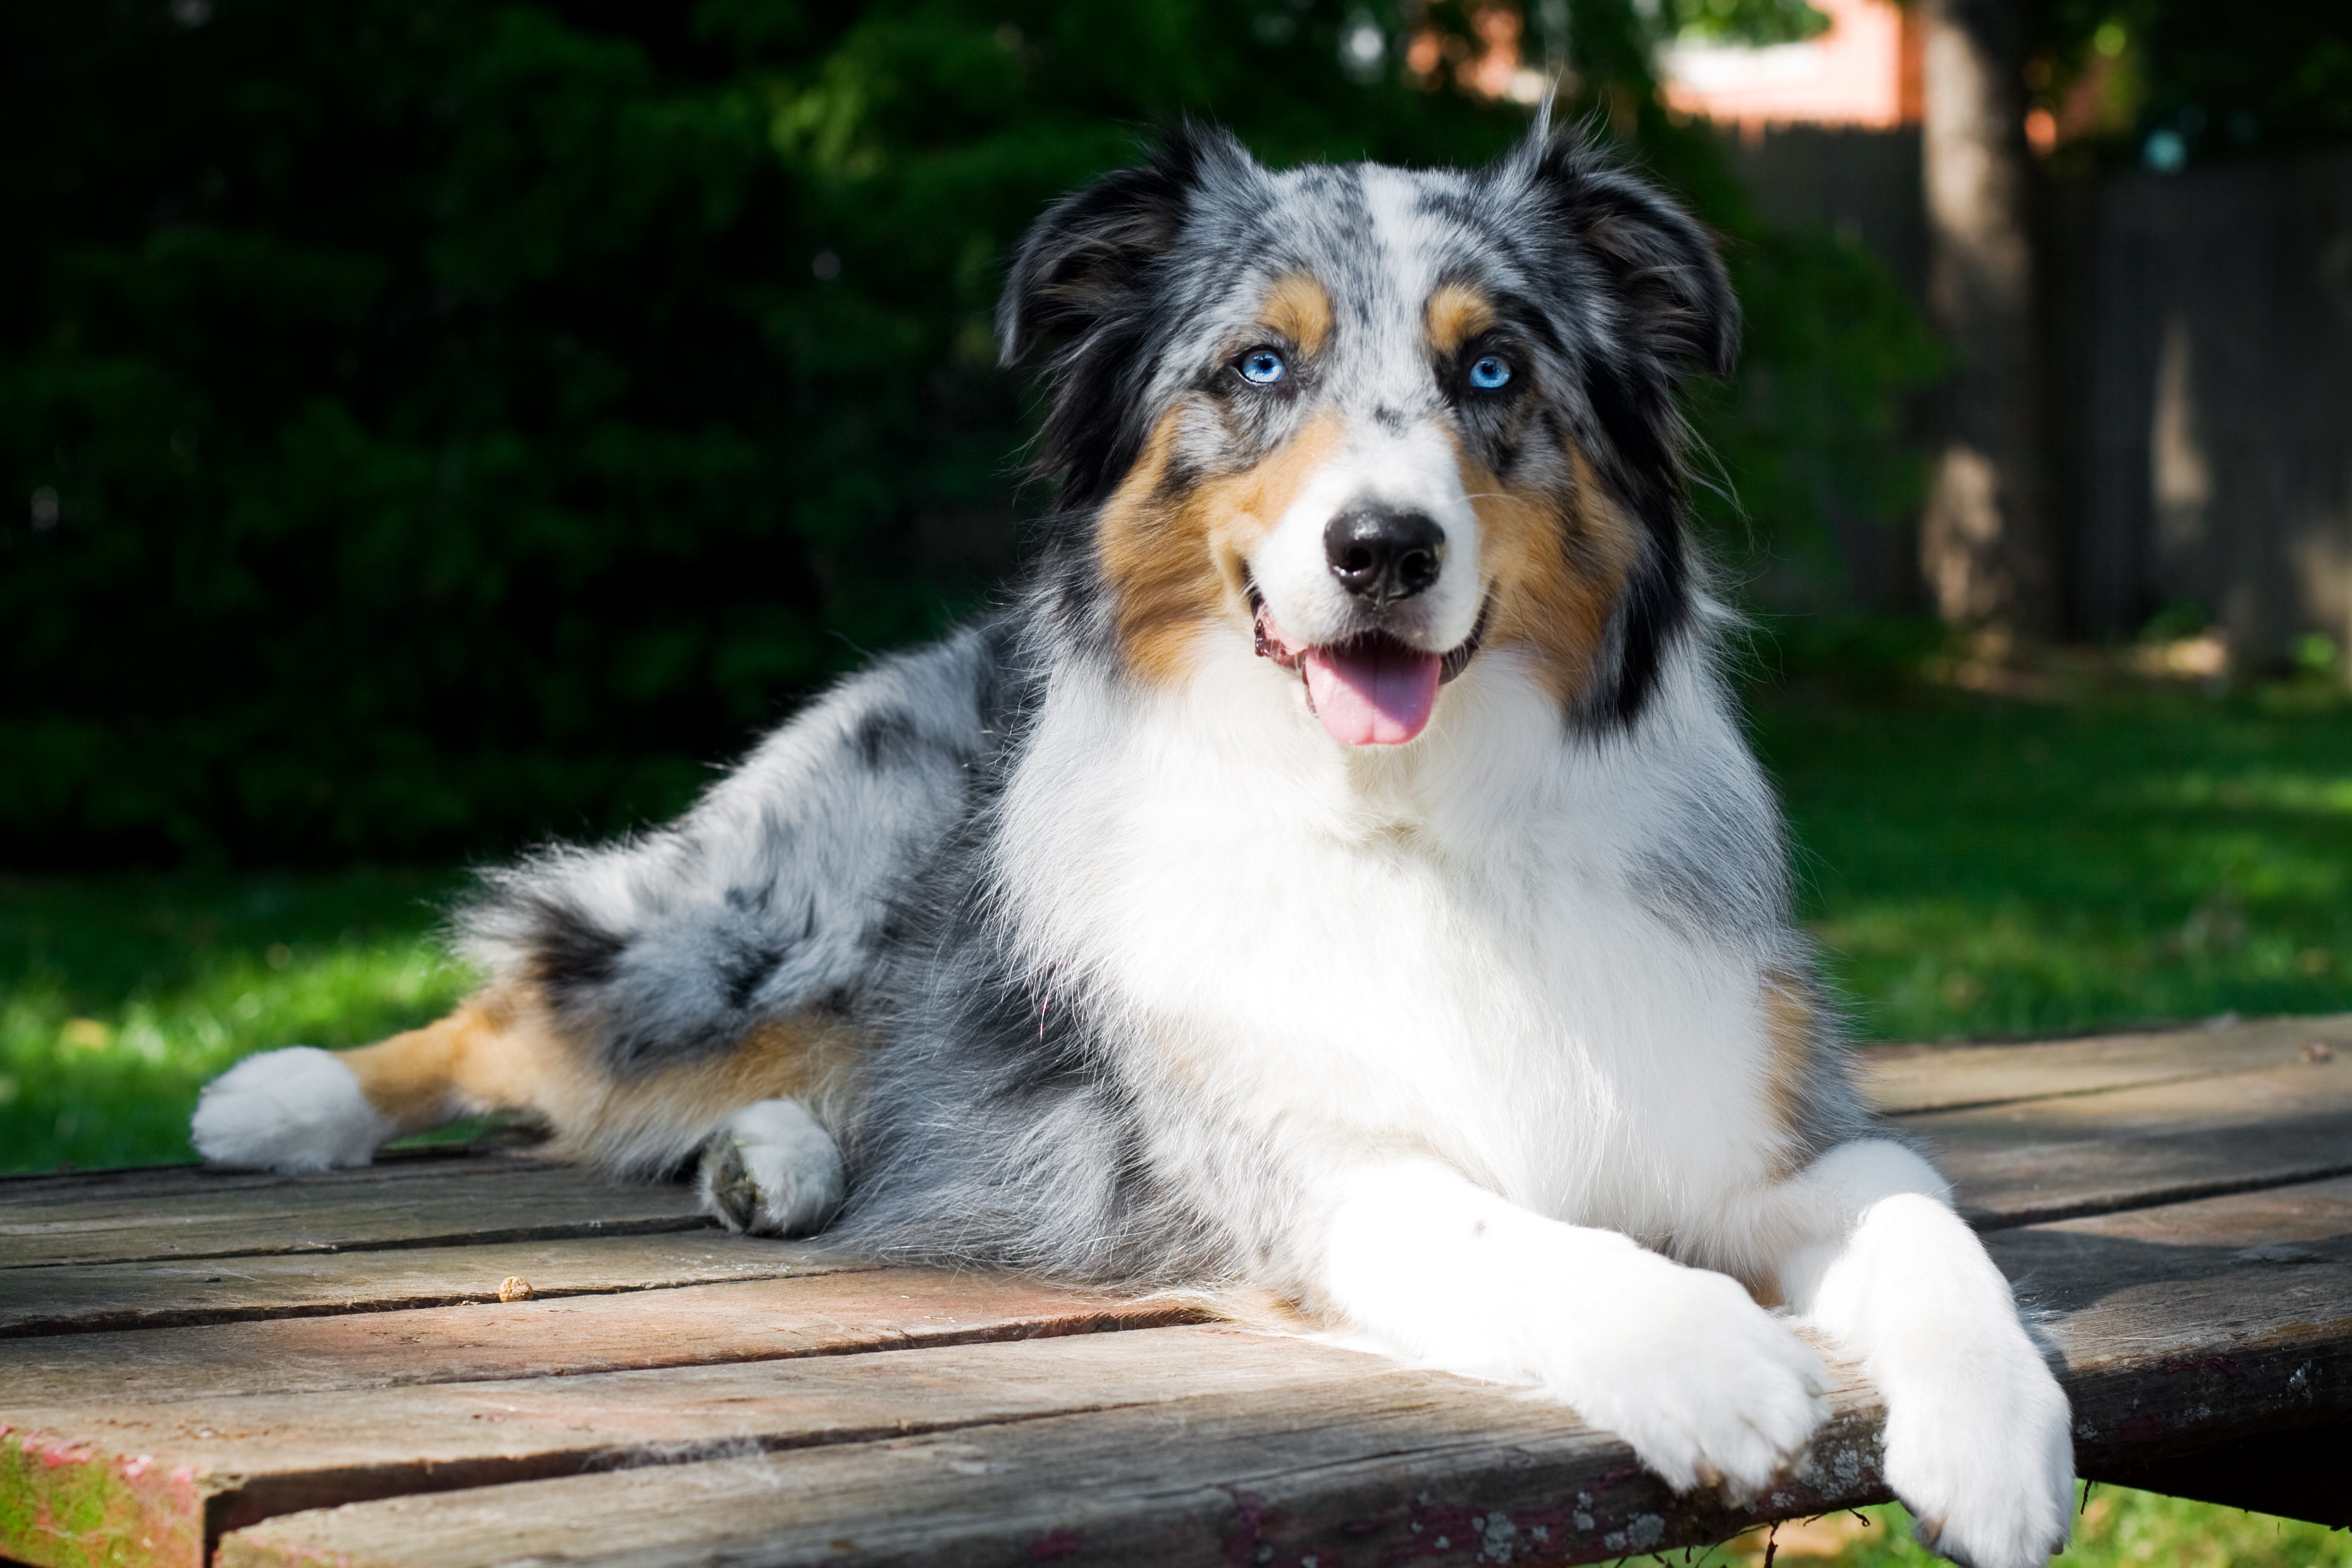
x,y
2114,1528
118,997
1973,866
1986,866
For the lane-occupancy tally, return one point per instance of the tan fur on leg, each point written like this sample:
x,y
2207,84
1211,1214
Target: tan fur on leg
x,y
501,1051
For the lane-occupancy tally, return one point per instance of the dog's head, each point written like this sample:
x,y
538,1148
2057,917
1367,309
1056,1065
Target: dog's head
x,y
1373,419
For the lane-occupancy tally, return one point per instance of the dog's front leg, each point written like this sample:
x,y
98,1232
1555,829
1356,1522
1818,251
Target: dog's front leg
x,y
1977,1431
1708,1386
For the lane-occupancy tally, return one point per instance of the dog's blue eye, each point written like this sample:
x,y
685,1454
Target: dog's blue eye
x,y
1262,367
1490,374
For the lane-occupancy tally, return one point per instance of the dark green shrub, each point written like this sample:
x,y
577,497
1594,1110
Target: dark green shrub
x,y
431,425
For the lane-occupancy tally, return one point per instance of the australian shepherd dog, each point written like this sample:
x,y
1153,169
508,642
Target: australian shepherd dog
x,y
1336,872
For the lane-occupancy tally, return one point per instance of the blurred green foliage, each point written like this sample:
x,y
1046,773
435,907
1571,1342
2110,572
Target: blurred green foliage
x,y
1738,21
429,425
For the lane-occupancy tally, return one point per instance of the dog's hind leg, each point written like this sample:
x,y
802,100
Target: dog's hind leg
x,y
753,1108
642,995
302,1109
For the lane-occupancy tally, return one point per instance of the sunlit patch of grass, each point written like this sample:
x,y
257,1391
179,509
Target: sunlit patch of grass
x,y
1982,865
2114,1528
122,996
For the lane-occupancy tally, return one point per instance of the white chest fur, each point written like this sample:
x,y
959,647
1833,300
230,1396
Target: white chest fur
x,y
1450,947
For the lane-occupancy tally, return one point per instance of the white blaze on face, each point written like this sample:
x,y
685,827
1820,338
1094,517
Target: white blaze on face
x,y
1372,663
1372,677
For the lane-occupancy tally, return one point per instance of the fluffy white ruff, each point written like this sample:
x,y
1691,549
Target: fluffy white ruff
x,y
295,1109
772,1169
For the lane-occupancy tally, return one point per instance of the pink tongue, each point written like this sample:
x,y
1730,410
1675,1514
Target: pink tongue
x,y
1372,693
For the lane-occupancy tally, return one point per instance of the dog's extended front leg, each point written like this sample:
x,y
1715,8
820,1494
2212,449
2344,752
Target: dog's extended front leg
x,y
1977,1431
1706,1386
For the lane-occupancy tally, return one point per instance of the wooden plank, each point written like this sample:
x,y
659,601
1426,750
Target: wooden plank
x,y
1373,1470
2274,1225
477,1201
767,1320
31,1189
81,1298
236,1459
2037,1160
1340,1474
1906,1079
2299,1473
2198,1323
2167,1346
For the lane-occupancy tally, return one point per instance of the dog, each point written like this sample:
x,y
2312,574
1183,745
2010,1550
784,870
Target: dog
x,y
1335,871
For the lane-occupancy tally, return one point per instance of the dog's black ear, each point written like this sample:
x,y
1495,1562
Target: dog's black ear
x,y
1676,301
1084,261
1083,277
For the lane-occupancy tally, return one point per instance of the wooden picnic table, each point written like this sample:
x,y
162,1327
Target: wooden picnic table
x,y
253,1370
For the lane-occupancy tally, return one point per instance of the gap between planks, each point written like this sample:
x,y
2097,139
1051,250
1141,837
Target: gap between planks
x,y
86,1299
489,1200
2029,1161
696,1325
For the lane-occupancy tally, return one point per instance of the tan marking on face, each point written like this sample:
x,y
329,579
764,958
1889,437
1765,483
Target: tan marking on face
x,y
1455,315
502,1050
1299,308
1176,556
1556,569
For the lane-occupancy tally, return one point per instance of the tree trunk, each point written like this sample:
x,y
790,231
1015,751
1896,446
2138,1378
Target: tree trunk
x,y
1985,542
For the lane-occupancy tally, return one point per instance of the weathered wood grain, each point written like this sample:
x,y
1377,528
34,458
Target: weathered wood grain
x,y
72,1299
753,1320
242,1458
1341,1474
442,1204
25,1190
2167,1344
2050,1158
1904,1079
2268,1226
2192,1325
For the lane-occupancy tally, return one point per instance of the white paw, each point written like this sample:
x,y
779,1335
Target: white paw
x,y
1708,1387
773,1170
1984,1457
295,1109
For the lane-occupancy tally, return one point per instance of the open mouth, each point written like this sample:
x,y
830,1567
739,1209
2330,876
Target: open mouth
x,y
1375,689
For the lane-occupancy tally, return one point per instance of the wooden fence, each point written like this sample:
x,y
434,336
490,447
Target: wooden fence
x,y
2199,336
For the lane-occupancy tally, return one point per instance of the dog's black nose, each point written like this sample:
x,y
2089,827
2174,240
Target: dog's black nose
x,y
1379,554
